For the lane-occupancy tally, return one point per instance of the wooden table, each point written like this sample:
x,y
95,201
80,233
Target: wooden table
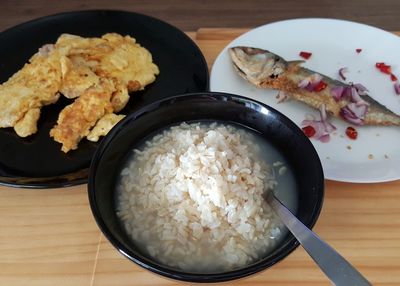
x,y
190,15
49,237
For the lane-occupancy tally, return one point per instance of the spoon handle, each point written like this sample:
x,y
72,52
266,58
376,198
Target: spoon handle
x,y
335,267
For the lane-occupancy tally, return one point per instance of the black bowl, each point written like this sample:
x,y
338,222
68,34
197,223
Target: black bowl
x,y
277,128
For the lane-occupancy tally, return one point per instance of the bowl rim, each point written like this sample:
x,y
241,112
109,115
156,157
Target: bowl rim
x,y
182,275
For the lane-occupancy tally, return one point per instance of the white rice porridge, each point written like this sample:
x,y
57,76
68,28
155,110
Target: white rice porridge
x,y
192,197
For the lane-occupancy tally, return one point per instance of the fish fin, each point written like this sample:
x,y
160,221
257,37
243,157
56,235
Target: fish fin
x,y
295,65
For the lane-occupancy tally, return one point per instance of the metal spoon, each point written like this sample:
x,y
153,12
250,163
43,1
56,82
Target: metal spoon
x,y
335,267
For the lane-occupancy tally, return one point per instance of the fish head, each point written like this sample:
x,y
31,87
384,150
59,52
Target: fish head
x,y
257,65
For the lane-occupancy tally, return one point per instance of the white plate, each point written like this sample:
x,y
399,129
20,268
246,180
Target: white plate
x,y
375,155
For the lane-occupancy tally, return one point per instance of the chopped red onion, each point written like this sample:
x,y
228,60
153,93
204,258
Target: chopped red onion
x,y
314,81
358,110
318,127
342,71
353,93
350,117
397,88
362,90
304,83
325,138
354,113
347,92
316,78
322,127
341,92
310,82
356,98
329,127
337,92
322,112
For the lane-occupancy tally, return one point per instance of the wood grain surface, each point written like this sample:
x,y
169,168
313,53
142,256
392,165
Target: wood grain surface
x,y
190,15
48,237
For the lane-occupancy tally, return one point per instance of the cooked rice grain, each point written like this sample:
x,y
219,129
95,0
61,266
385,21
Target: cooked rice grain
x,y
192,198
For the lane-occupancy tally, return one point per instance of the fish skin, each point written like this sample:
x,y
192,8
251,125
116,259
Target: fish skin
x,y
268,70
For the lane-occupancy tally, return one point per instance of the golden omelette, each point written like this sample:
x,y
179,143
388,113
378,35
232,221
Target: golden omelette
x,y
98,73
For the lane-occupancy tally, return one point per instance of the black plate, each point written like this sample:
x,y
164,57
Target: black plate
x,y
37,161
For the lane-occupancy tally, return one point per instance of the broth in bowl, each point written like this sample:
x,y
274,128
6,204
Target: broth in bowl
x,y
192,196
208,222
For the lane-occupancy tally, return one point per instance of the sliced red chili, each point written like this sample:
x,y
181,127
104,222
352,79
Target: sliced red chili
x,y
351,132
309,131
393,77
358,51
305,55
384,68
320,86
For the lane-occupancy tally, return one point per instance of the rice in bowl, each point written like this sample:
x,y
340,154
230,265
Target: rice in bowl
x,y
192,198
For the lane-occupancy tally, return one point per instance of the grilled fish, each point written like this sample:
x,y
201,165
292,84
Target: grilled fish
x,y
345,101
